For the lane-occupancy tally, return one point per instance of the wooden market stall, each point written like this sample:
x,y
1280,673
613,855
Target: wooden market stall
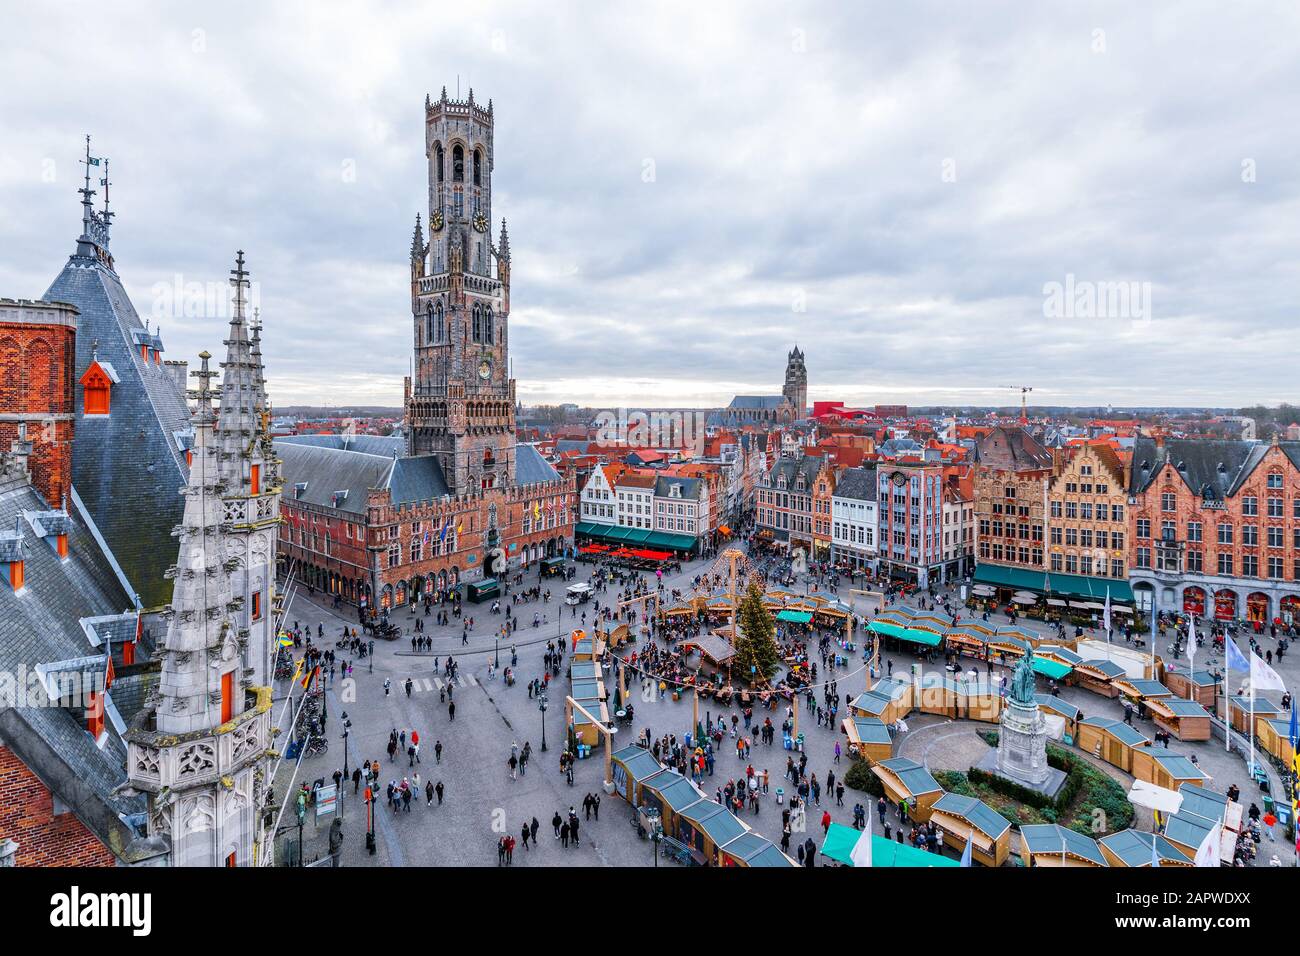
x,y
1006,649
969,639
1050,844
1184,719
1111,740
1164,769
1239,711
1141,690
1187,831
633,766
1273,736
988,830
1065,710
586,647
706,826
869,738
945,696
669,793
751,850
1132,848
1098,676
1201,686
906,780
889,700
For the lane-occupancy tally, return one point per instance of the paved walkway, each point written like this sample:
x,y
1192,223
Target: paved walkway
x,y
481,801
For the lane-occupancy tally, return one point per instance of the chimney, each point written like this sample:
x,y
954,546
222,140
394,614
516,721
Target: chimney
x,y
11,554
21,448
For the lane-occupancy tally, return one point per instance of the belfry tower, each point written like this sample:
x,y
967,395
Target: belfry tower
x,y
460,408
200,747
796,383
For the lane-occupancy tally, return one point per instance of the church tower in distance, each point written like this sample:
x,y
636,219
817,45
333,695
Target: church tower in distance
x,y
460,407
796,383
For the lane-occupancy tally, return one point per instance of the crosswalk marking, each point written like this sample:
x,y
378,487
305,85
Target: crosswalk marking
x,y
427,685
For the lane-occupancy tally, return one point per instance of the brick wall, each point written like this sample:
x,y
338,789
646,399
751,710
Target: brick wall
x,y
37,360
27,816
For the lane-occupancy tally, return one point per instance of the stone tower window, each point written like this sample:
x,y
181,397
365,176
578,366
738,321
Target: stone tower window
x,y
457,164
437,159
478,162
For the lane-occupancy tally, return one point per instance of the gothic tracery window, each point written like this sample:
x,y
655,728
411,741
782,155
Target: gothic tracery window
x,y
457,164
437,155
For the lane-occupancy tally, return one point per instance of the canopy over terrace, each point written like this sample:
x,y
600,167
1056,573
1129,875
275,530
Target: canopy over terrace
x,y
635,536
1071,586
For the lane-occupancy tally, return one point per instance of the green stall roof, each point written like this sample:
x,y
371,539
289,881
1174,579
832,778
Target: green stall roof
x,y
841,839
1050,668
795,617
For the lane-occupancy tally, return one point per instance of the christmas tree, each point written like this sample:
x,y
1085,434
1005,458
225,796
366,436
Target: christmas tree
x,y
756,644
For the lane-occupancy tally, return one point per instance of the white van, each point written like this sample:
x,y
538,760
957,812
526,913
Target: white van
x,y
577,593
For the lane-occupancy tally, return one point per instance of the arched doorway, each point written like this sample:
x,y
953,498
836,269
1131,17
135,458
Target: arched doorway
x,y
1194,601
1225,605
399,595
1142,596
386,597
442,580
1257,607
1289,609
416,589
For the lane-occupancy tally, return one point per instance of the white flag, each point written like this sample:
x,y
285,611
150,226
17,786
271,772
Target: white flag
x,y
1105,615
860,855
1263,677
1207,854
1191,645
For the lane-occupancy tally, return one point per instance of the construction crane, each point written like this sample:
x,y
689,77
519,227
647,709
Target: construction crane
x,y
1024,391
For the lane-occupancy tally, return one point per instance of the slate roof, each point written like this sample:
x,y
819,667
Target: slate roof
x,y
1134,847
355,464
1211,468
856,483
1012,449
531,468
128,466
976,812
690,486
47,622
1051,837
764,402
808,466
913,776
1118,729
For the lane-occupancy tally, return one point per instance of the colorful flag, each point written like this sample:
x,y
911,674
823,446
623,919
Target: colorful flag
x,y
442,535
285,641
306,681
298,669
1235,659
537,512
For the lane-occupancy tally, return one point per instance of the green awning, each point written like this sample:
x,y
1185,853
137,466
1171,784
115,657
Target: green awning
x,y
1050,668
841,839
615,534
884,627
917,636
794,617
1059,585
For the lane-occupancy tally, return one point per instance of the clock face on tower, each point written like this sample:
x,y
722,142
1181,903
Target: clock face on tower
x,y
437,222
480,222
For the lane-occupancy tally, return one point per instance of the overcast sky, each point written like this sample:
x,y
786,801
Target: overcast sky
x,y
692,189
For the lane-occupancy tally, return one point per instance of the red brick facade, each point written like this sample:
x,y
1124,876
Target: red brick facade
x,y
37,358
45,838
400,553
1229,557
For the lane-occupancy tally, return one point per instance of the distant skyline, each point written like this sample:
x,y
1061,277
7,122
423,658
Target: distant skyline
x,y
937,203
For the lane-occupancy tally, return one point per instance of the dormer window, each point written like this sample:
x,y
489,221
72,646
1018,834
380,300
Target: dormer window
x,y
97,383
299,489
11,557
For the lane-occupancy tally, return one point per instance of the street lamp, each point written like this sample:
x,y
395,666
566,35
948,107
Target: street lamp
x,y
347,724
541,706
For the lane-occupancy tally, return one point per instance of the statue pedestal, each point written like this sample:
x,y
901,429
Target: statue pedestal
x,y
1022,751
